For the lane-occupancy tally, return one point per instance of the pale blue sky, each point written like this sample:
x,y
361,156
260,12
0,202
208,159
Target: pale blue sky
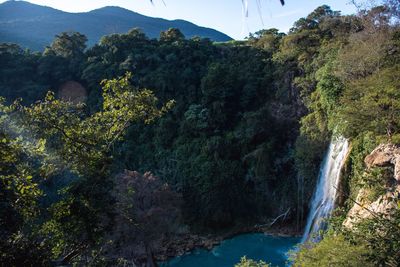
x,y
223,15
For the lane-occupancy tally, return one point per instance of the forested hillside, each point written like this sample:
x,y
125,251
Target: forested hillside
x,y
34,26
233,134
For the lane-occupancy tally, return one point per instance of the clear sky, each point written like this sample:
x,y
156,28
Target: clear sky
x,y
223,15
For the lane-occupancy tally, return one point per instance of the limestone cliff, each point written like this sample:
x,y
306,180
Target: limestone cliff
x,y
384,155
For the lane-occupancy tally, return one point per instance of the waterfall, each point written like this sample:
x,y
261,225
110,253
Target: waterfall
x,y
324,198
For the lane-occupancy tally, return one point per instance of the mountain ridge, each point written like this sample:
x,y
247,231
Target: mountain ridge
x,y
34,26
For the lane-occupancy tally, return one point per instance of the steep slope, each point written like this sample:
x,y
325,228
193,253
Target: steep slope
x,y
385,155
35,26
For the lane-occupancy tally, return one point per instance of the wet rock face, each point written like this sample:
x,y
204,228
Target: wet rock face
x,y
385,155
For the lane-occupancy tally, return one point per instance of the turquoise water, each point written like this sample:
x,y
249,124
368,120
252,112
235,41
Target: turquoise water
x,y
255,246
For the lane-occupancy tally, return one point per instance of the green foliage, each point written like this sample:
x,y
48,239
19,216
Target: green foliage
x,y
308,157
52,138
17,63
329,87
245,134
381,236
244,262
219,118
372,104
354,180
332,251
171,35
348,85
267,39
67,49
68,45
19,194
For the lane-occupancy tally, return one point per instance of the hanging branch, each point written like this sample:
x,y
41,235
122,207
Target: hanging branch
x,y
284,215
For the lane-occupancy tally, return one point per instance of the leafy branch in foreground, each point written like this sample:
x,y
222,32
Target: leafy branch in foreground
x,y
52,141
82,139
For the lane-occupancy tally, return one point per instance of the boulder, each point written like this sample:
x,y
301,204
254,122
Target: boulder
x,y
385,155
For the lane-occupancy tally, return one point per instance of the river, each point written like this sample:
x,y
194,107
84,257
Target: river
x,y
255,246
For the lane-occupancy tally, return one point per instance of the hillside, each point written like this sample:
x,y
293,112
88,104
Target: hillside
x,y
35,26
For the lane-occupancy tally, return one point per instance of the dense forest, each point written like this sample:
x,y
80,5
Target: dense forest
x,y
34,26
156,136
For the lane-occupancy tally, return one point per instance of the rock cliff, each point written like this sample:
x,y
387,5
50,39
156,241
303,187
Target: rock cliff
x,y
385,155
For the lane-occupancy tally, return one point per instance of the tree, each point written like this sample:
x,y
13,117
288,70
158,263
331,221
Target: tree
x,y
171,35
313,20
19,196
372,104
80,146
365,50
66,55
382,238
148,210
267,39
67,45
92,136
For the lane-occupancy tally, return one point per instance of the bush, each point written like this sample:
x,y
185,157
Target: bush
x,y
244,262
332,251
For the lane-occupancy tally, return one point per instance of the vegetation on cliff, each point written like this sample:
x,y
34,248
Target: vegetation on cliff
x,y
237,139
357,96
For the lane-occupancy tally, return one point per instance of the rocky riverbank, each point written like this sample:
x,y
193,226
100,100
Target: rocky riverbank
x,y
178,245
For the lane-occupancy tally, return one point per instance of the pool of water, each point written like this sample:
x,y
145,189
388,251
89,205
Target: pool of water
x,y
256,246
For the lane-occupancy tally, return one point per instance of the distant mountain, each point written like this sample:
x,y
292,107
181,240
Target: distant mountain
x,y
35,26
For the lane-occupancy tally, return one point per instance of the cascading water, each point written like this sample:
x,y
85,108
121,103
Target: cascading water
x,y
324,197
